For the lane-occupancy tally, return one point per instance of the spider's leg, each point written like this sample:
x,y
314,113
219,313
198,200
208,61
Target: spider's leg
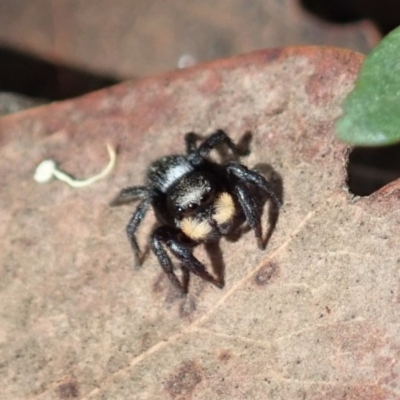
x,y
185,278
133,224
166,236
190,141
160,237
191,263
219,137
130,194
251,211
213,250
249,206
247,175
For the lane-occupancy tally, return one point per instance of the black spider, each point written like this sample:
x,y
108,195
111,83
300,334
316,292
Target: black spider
x,y
195,200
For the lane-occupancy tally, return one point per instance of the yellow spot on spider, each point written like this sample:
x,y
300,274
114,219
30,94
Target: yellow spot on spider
x,y
224,208
195,228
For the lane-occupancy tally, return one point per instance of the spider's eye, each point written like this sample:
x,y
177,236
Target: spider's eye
x,y
192,206
204,198
179,209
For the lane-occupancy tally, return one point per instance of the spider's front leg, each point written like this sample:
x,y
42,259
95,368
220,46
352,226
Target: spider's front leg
x,y
219,137
166,236
249,206
128,195
250,176
190,140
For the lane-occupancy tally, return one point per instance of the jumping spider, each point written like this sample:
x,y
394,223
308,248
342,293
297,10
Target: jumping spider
x,y
195,201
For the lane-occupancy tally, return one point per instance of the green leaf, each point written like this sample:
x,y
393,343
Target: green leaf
x,y
372,110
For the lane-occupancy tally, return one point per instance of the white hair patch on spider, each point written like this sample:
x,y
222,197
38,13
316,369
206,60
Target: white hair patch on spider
x,y
175,167
174,173
195,229
224,208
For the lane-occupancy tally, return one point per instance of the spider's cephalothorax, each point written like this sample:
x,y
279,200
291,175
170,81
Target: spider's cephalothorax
x,y
195,200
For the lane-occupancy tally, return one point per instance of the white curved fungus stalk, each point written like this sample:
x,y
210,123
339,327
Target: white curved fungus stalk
x,y
47,170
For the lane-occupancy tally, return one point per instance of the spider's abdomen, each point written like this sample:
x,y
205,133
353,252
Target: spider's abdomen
x,y
164,172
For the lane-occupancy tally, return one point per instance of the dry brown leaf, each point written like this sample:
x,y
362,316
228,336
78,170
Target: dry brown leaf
x,y
315,315
128,38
